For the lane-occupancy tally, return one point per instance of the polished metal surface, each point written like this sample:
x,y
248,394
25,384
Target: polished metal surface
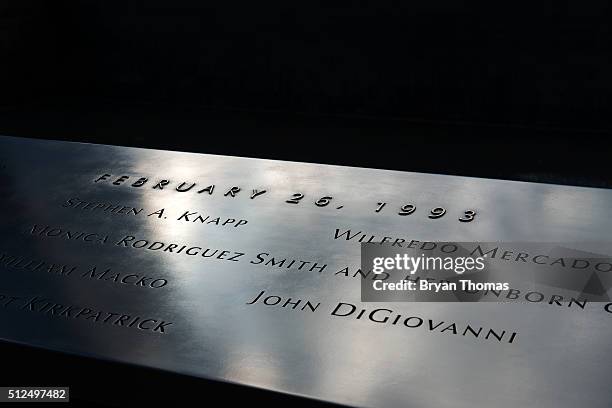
x,y
68,208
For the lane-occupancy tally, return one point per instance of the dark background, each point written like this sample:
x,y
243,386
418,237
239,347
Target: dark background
x,y
491,91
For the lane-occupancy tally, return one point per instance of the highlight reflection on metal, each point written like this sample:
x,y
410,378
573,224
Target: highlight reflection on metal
x,y
157,305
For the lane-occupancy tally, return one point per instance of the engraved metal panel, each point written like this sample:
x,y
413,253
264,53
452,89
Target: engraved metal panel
x,y
160,259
